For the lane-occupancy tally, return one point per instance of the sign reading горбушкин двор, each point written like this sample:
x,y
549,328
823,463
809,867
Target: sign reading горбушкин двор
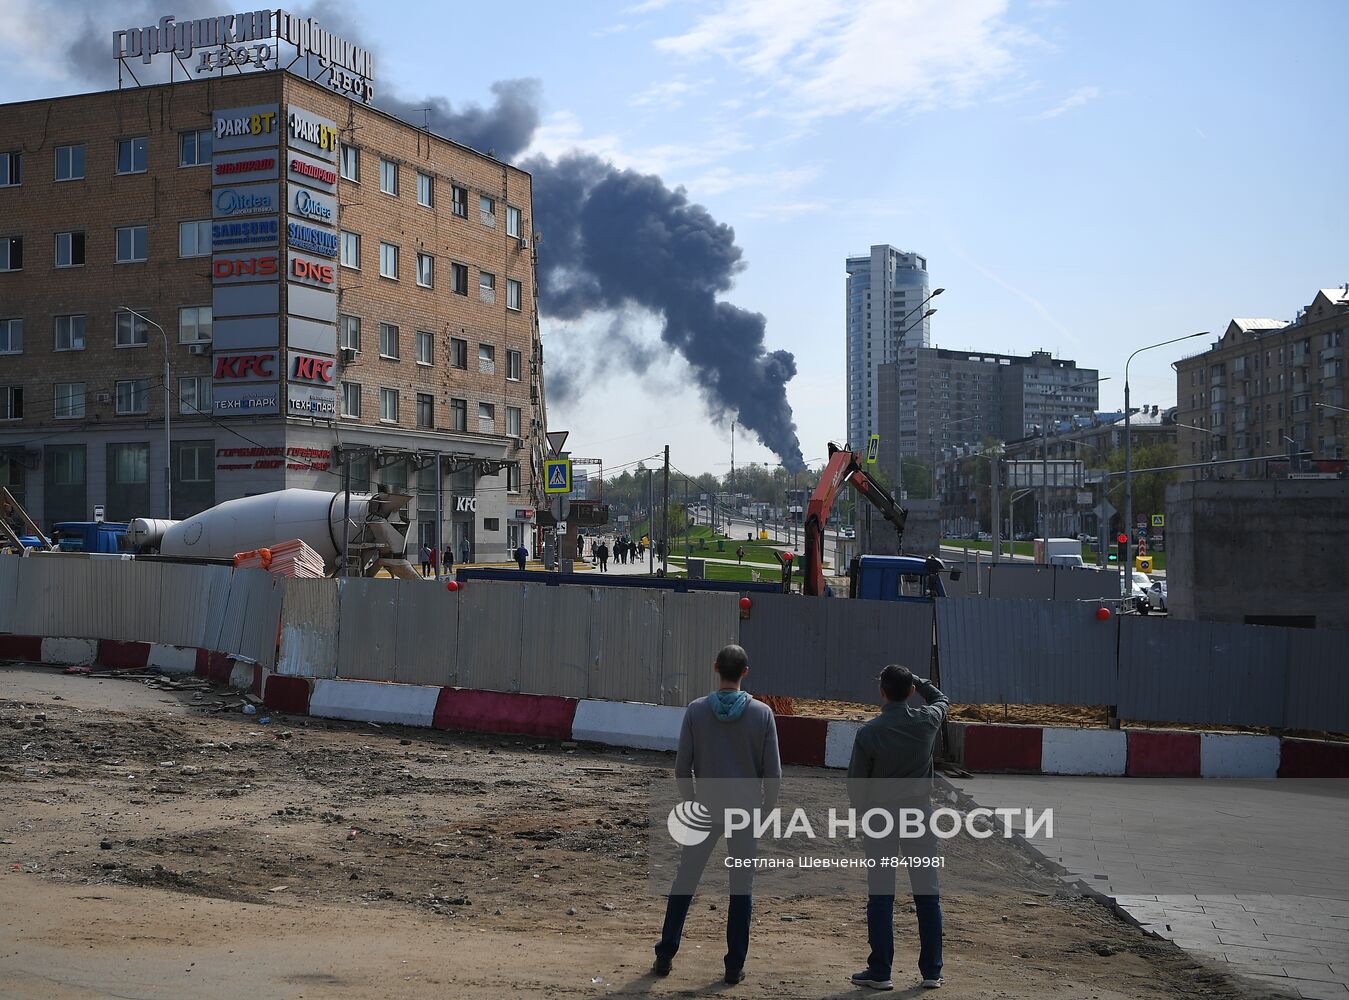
x,y
240,41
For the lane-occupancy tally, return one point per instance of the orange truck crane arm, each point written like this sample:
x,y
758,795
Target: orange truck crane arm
x,y
843,467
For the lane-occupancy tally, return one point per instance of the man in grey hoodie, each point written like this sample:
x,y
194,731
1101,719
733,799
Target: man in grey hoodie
x,y
728,745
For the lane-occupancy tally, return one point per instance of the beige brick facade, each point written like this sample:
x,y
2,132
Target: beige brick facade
x,y
166,194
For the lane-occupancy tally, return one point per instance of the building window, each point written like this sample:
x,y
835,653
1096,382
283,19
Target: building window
x,y
132,331
194,148
351,163
459,200
11,253
459,279
425,410
425,347
388,261
425,270
388,406
70,162
458,414
70,333
11,336
132,155
487,418
512,294
11,169
349,330
487,359
351,250
130,244
487,286
133,396
426,191
69,400
513,366
193,462
194,325
351,399
11,402
67,465
130,463
388,341
491,524
458,353
194,395
194,238
70,249
388,176
513,421
513,478
487,211
513,221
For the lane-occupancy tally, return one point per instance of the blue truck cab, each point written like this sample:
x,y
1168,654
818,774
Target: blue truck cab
x,y
899,578
91,536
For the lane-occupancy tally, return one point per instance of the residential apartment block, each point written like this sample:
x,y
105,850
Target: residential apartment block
x,y
1268,389
318,273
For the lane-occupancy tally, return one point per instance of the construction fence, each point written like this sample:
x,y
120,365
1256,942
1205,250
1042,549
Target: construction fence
x,y
658,646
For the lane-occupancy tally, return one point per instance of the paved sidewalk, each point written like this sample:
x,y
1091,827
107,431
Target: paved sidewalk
x,y
1251,874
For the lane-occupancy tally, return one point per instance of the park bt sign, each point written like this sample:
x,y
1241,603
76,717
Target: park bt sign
x,y
253,39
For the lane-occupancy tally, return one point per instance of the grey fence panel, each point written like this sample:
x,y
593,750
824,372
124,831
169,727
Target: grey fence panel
x,y
260,622
1318,680
1026,652
309,629
217,610
367,611
627,628
1215,672
1085,584
697,626
426,646
9,591
863,636
491,622
185,601
1009,581
56,598
556,655
786,645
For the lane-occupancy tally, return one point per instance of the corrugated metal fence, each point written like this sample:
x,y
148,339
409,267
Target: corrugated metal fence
x,y
658,646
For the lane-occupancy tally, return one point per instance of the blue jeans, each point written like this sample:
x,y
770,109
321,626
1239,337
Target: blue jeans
x,y
692,861
881,905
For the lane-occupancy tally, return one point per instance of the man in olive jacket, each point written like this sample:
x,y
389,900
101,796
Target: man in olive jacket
x,y
891,768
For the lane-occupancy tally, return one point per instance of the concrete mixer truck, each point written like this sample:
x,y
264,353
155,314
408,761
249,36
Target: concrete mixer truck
x,y
370,528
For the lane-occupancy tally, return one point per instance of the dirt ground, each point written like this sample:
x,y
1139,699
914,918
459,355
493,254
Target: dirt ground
x,y
150,850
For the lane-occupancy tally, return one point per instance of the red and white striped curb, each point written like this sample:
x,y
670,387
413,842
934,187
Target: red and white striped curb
x,y
1143,753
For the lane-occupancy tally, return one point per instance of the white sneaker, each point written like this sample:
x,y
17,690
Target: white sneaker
x,y
933,984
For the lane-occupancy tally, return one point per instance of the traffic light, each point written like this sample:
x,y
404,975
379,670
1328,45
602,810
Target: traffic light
x,y
1123,540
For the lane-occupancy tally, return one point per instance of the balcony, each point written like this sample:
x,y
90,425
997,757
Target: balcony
x,y
1217,378
1331,354
1332,373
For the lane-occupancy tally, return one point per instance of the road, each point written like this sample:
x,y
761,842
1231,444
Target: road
x,y
1251,875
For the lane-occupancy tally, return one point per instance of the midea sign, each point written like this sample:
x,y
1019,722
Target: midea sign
x,y
231,202
314,206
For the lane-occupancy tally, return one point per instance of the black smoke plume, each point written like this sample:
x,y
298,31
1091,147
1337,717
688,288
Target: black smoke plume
x,y
611,240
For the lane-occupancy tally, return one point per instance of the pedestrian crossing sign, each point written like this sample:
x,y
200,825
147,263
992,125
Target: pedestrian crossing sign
x,y
557,475
873,449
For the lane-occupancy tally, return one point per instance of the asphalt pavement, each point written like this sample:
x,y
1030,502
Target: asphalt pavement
x,y
1253,876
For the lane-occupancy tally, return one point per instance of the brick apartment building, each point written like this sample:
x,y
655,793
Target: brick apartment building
x,y
1267,389
325,275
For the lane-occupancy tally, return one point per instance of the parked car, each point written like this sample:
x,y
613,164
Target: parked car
x,y
1140,584
1157,596
849,532
984,536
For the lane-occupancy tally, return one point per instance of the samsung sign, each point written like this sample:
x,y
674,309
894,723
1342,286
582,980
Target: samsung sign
x,y
231,202
308,238
260,232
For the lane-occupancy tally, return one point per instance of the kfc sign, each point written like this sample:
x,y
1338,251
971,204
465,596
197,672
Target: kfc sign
x,y
307,368
245,367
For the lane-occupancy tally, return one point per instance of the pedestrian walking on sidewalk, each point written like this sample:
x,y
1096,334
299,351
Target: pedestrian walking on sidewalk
x,y
464,549
602,554
739,555
426,560
521,554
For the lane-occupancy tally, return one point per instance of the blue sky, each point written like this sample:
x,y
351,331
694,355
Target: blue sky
x,y
1083,177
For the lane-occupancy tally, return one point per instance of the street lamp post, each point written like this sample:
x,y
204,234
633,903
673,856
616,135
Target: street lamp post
x,y
1213,453
1124,570
168,446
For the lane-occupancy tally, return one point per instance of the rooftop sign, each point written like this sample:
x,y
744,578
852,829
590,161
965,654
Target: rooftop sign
x,y
251,40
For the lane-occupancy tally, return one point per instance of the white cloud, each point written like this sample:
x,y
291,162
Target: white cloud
x,y
563,133
665,96
825,57
1076,99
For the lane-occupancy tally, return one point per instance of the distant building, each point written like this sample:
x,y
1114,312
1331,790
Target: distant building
x,y
1255,393
932,399
884,291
